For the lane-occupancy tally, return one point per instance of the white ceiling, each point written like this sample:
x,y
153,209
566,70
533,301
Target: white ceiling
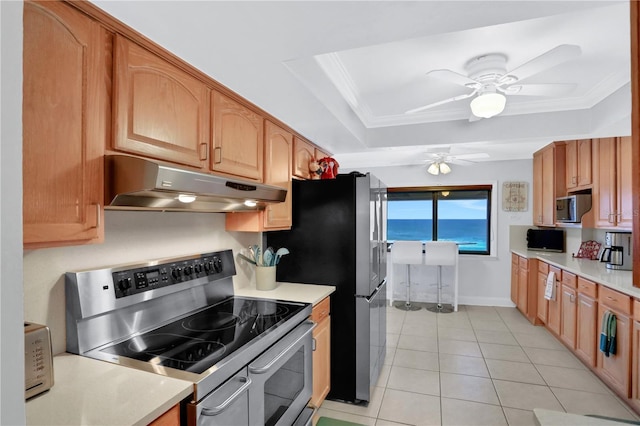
x,y
344,73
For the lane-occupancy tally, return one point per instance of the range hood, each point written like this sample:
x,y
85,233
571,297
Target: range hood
x,y
139,184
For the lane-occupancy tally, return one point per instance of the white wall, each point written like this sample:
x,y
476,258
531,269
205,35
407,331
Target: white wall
x,y
129,237
483,280
11,329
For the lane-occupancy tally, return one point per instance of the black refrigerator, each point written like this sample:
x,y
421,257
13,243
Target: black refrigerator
x,y
338,237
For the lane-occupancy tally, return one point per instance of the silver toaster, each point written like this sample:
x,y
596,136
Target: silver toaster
x,y
38,359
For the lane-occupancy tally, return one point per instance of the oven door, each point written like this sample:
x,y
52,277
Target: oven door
x,y
281,379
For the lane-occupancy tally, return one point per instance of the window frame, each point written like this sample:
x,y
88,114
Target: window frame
x,y
436,195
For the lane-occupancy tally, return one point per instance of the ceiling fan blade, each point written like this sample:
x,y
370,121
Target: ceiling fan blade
x,y
453,77
549,59
470,156
435,104
551,89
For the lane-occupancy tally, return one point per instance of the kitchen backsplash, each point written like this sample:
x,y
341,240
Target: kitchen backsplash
x,y
130,237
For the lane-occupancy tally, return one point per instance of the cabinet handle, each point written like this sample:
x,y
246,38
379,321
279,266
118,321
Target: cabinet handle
x,y
572,298
204,148
611,298
217,156
98,221
313,344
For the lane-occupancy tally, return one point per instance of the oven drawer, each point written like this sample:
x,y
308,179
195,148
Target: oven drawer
x,y
228,405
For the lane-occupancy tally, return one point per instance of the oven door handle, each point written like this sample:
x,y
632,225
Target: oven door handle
x,y
309,325
213,411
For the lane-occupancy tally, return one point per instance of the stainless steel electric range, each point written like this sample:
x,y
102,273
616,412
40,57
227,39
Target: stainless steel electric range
x,y
249,359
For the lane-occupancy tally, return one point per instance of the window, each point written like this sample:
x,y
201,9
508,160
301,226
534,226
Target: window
x,y
461,214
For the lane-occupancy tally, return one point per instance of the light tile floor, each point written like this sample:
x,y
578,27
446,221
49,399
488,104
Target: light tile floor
x,y
478,366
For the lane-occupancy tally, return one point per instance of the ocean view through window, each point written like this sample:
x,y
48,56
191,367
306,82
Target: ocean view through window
x,y
459,214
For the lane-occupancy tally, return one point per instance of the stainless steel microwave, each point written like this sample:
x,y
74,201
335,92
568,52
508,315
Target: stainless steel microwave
x,y
570,209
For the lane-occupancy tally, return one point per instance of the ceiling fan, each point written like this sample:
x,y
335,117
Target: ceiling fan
x,y
439,160
490,83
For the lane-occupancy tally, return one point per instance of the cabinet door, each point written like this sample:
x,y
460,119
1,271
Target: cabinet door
x,y
548,187
543,304
514,278
572,164
604,182
553,319
616,369
537,188
238,139
278,157
635,353
65,110
160,111
587,331
568,313
303,154
624,191
321,362
523,276
584,167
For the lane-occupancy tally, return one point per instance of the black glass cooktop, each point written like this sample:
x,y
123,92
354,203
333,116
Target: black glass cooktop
x,y
199,341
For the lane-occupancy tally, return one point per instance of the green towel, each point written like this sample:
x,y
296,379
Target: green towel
x,y
326,421
611,346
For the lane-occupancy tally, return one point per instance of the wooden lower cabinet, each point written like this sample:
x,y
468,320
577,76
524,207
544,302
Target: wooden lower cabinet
x,y
553,317
586,324
616,369
568,315
514,278
635,355
171,417
322,352
543,304
523,278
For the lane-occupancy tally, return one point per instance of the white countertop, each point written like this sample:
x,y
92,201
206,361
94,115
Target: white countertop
x,y
91,392
593,270
306,293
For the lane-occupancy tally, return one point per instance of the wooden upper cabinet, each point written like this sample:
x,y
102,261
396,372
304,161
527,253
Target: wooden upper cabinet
x,y
548,182
278,155
238,139
65,115
624,190
612,192
160,111
303,154
278,152
578,164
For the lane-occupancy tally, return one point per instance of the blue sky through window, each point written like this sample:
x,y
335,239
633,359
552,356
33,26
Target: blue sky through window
x,y
450,209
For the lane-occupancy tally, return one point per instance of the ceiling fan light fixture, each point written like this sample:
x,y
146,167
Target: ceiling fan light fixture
x,y
434,169
438,167
486,105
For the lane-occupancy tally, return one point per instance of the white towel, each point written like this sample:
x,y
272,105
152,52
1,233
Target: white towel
x,y
550,289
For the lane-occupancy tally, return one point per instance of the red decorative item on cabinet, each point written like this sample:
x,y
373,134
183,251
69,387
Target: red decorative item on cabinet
x,y
329,168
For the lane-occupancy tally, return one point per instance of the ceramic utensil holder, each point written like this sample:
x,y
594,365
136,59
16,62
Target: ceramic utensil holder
x,y
265,277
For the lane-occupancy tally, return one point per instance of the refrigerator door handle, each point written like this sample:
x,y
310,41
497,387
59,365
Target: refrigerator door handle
x,y
369,299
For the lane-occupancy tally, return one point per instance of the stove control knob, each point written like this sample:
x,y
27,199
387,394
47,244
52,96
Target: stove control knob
x,y
188,270
208,267
124,284
197,268
217,264
176,273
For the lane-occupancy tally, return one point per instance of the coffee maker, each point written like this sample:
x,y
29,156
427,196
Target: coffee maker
x,y
618,251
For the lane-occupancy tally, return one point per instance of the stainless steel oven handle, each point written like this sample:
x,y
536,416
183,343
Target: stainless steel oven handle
x,y
213,411
261,370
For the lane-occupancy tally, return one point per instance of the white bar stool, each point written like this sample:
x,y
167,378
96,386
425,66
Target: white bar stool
x,y
408,253
443,253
